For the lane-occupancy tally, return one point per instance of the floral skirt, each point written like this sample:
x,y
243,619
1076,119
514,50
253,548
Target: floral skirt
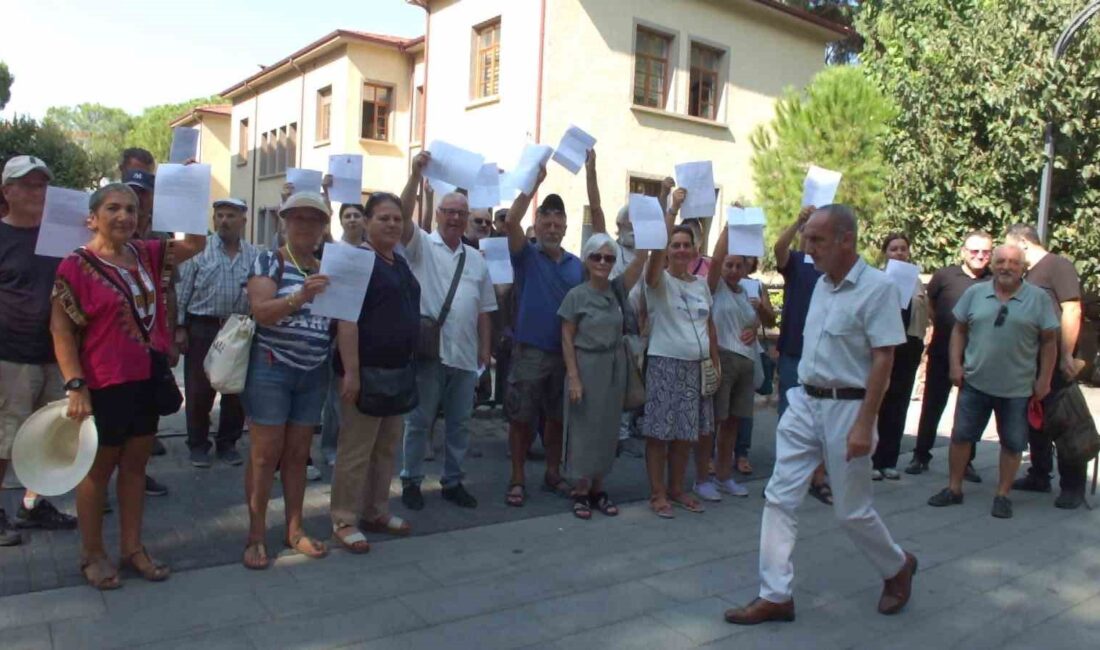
x,y
675,408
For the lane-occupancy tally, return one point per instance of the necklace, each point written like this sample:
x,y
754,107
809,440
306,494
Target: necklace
x,y
295,262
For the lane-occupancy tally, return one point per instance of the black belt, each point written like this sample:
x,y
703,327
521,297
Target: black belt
x,y
835,393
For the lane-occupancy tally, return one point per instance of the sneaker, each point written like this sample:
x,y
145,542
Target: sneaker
x,y
200,458
1002,508
458,495
732,487
158,447
9,536
154,489
971,475
945,497
890,474
330,457
1070,499
230,456
1031,483
707,491
43,515
876,475
916,466
412,497
312,473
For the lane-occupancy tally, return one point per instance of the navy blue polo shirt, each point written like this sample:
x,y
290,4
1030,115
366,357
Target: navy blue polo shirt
x,y
542,284
799,279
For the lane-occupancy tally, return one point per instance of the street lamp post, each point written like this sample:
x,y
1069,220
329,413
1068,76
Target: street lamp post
x,y
1059,49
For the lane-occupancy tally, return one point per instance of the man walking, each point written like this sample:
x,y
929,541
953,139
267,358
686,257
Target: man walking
x,y
1005,330
848,355
209,291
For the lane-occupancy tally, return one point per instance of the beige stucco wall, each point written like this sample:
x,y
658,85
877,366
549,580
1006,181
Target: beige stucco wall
x,y
214,151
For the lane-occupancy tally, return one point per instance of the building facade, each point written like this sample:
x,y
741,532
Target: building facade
x,y
213,122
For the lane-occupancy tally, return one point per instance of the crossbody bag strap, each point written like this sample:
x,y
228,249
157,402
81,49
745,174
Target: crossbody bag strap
x,y
127,294
698,339
446,309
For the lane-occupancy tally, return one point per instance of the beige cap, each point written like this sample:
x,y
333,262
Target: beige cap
x,y
305,200
20,166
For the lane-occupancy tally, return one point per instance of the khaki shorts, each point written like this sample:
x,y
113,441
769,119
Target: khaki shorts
x,y
536,383
24,388
734,398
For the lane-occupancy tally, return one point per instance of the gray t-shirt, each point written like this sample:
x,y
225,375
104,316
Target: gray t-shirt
x,y
26,281
598,317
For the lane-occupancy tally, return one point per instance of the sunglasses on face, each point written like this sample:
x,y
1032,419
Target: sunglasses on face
x,y
481,222
1001,316
596,257
454,212
979,252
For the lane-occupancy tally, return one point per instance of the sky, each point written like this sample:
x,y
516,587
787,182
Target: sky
x,y
137,53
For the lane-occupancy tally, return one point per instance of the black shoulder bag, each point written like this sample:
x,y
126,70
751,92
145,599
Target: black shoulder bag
x,y
389,391
432,328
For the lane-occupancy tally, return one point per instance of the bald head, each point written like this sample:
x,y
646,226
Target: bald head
x,y
1009,264
1008,252
829,237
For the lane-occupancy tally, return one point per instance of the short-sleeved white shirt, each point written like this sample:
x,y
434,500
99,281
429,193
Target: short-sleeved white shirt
x,y
733,313
434,263
844,323
678,313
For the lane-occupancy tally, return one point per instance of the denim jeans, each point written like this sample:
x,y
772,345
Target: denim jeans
x,y
788,378
744,438
454,390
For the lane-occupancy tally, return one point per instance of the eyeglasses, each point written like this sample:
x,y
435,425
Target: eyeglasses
x,y
979,252
481,221
1001,316
606,259
454,212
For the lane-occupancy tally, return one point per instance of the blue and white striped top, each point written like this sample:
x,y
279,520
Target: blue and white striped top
x,y
300,340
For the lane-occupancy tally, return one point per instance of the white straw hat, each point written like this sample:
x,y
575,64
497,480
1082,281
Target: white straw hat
x,y
53,453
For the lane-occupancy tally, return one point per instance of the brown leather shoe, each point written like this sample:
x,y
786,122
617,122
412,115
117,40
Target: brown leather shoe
x,y
896,590
761,611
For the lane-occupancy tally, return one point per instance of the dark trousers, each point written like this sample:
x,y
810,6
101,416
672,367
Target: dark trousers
x,y
895,404
201,332
1071,476
937,388
503,355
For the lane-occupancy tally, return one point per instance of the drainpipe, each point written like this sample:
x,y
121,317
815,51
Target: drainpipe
x,y
538,91
423,4
253,133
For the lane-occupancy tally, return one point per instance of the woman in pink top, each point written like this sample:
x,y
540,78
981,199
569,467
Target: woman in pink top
x,y
109,318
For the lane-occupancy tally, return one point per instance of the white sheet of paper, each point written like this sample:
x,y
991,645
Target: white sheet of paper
x,y
746,240
533,158
348,269
486,192
573,149
745,216
751,287
819,188
441,188
807,259
905,277
347,178
650,231
304,180
64,220
498,259
185,144
698,179
453,165
182,200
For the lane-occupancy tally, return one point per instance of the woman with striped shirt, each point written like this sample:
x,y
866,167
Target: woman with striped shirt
x,y
288,374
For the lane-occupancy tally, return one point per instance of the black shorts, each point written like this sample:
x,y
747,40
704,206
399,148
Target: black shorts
x,y
124,411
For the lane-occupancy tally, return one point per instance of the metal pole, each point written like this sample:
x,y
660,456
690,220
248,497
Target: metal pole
x,y
1046,180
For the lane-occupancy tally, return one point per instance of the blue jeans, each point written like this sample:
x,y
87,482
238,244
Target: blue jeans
x,y
454,390
788,378
276,394
972,411
744,438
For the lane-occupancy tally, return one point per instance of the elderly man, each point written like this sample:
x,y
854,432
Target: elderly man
x,y
29,377
944,290
1003,348
209,291
849,352
479,226
1055,275
455,289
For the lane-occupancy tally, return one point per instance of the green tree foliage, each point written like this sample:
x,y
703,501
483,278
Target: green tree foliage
x,y
841,12
838,122
6,80
67,160
101,130
152,131
975,86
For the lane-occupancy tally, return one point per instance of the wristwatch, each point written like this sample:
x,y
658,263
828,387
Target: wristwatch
x,y
76,383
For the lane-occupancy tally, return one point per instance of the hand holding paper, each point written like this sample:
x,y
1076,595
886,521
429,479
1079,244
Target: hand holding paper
x,y
698,179
531,162
347,178
64,227
746,231
453,165
650,230
573,149
819,188
486,191
185,145
498,259
182,200
304,180
905,277
349,269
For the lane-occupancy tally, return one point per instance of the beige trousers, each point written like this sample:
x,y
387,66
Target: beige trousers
x,y
365,452
24,388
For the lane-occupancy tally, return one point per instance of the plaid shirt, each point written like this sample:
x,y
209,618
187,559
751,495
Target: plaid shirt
x,y
212,283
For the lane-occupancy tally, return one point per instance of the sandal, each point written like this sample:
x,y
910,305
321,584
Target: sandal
x,y
582,509
822,492
313,549
604,504
354,542
744,466
255,556
152,571
100,574
393,525
688,502
561,488
514,497
661,507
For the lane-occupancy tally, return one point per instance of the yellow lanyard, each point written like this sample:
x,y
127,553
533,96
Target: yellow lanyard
x,y
295,262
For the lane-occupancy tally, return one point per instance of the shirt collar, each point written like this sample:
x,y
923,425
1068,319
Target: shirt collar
x,y
437,239
991,291
852,278
565,255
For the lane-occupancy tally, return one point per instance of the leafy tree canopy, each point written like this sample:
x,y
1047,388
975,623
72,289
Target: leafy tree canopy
x,y
6,80
151,129
101,130
67,160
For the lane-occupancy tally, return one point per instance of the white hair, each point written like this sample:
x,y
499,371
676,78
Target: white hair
x,y
596,242
624,214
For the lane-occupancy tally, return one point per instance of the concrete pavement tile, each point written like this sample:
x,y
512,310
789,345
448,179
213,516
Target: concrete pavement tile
x,y
701,620
769,636
442,605
223,639
333,594
27,637
369,621
453,570
49,606
596,608
642,633
513,628
702,580
199,584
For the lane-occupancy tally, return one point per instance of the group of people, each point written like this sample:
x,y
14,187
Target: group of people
x,y
584,349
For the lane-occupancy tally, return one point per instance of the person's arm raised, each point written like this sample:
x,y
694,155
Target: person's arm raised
x,y
188,247
516,239
408,195
599,221
717,258
786,238
633,271
656,263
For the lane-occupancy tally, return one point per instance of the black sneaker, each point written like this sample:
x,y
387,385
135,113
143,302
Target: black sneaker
x,y
1031,483
154,489
199,458
412,497
9,536
916,466
45,516
1070,499
945,497
971,475
230,456
1002,508
158,447
459,496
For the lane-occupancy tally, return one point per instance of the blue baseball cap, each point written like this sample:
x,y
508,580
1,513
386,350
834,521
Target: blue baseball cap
x,y
139,179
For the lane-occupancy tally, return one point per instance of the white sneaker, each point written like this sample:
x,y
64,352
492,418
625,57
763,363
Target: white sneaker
x,y
312,473
707,491
732,487
891,474
876,475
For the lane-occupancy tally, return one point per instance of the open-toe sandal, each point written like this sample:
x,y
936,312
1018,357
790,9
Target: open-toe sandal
x,y
604,504
516,495
560,488
255,556
822,492
687,502
582,509
100,573
661,507
744,466
352,539
150,570
311,548
391,525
